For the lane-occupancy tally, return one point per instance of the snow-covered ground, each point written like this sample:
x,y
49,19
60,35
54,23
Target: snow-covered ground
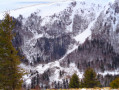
x,y
69,71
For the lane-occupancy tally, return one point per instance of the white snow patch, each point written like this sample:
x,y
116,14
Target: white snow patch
x,y
115,72
83,36
28,81
73,69
37,36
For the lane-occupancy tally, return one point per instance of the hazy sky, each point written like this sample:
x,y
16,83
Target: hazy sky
x,y
6,5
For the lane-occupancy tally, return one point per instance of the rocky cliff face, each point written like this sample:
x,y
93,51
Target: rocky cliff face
x,y
82,34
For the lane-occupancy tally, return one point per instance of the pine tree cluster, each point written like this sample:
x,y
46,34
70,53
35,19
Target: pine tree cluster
x,y
89,80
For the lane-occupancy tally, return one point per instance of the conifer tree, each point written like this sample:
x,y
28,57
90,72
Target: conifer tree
x,y
115,83
74,81
10,73
90,79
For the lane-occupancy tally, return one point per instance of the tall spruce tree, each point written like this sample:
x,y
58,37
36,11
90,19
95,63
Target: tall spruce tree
x,y
10,73
74,81
90,79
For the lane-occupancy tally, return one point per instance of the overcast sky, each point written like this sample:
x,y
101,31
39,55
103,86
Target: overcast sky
x,y
6,5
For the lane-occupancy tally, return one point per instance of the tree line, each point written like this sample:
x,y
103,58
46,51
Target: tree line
x,y
89,80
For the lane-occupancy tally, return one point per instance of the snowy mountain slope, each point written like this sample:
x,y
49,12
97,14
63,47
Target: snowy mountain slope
x,y
57,24
26,11
63,38
108,25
